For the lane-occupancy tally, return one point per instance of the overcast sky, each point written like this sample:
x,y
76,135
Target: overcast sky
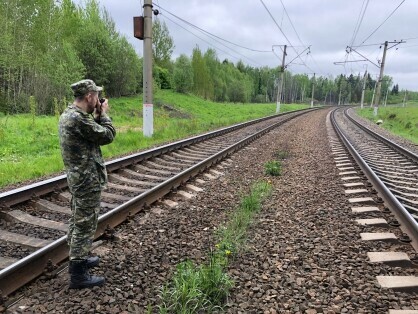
x,y
326,25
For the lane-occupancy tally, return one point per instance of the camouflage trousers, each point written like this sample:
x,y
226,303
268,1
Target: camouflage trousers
x,y
83,224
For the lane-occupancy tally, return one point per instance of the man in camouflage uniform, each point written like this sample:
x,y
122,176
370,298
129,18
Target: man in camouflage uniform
x,y
83,127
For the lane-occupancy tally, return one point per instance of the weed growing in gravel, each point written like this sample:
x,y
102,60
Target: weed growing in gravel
x,y
273,168
232,236
196,288
282,154
184,295
215,281
204,288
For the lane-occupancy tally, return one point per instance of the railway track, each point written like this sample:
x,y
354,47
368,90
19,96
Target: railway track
x,y
381,180
33,218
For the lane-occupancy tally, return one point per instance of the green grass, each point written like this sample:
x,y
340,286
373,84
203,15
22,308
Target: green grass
x,y
402,121
273,168
282,154
195,288
232,236
205,288
30,148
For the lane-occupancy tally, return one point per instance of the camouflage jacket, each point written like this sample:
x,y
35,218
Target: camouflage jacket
x,y
80,139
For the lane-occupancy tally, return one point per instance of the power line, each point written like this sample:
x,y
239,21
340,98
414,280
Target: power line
x,y
359,21
285,11
275,22
290,44
368,45
204,31
356,29
215,37
297,35
383,22
290,62
166,17
210,44
316,63
277,54
350,48
379,44
142,6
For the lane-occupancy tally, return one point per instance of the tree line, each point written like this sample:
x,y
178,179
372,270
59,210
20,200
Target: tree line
x,y
45,45
205,75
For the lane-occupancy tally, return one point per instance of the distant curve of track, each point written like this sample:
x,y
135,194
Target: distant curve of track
x,y
391,169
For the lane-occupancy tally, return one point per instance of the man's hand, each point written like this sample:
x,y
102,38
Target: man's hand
x,y
101,108
105,106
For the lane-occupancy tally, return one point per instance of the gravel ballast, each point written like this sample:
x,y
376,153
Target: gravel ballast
x,y
303,253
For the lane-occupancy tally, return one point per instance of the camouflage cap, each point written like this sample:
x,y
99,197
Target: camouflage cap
x,y
83,87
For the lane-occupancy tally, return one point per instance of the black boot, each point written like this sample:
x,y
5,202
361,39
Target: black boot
x,y
93,261
80,277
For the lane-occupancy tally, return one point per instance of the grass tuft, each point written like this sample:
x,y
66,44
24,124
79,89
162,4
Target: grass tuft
x,y
196,288
282,155
273,168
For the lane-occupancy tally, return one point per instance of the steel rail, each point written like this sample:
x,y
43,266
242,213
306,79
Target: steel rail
x,y
33,265
407,153
408,223
37,189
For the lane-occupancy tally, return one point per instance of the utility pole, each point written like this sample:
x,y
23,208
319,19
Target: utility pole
x,y
148,108
374,94
325,100
303,93
267,87
280,86
381,66
363,90
379,84
404,99
294,92
290,97
386,97
313,90
339,96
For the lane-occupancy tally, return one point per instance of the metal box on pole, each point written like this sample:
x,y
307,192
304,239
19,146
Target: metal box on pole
x,y
139,27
